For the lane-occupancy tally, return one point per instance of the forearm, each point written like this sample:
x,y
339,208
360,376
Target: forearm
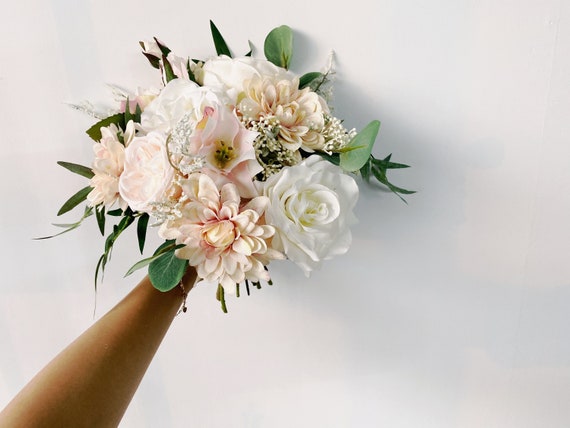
x,y
92,381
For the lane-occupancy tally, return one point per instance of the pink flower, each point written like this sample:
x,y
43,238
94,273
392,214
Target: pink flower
x,y
226,242
227,148
148,173
108,167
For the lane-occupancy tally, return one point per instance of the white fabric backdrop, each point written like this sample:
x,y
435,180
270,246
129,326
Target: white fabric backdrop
x,y
451,311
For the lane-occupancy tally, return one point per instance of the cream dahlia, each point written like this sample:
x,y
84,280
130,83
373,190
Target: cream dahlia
x,y
226,242
299,112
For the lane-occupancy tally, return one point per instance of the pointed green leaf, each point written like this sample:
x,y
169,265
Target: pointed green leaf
x,y
250,48
168,72
308,78
69,226
163,48
95,131
141,230
167,270
100,216
75,200
219,42
278,47
362,143
77,169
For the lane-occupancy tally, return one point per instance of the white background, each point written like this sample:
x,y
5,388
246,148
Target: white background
x,y
451,311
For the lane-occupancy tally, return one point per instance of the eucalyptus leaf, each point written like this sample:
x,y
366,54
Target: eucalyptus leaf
x,y
75,200
166,271
360,148
145,262
219,42
77,169
278,46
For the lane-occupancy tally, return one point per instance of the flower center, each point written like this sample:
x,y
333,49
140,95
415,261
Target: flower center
x,y
220,234
224,154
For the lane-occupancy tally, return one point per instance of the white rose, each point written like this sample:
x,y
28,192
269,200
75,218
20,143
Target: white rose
x,y
147,174
176,99
310,206
229,74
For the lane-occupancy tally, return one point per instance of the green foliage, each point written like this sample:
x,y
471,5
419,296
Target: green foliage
x,y
219,42
75,200
278,47
125,222
100,216
166,271
308,79
77,169
164,248
95,131
142,226
357,152
221,296
69,226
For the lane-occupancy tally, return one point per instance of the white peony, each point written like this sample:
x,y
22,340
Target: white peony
x,y
148,174
230,74
177,99
310,206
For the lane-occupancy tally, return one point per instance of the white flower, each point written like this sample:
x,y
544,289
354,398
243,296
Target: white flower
x,y
178,98
229,74
310,206
148,173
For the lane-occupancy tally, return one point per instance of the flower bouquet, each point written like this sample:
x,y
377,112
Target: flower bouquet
x,y
237,161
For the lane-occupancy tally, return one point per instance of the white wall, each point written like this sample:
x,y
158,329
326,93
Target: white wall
x,y
451,311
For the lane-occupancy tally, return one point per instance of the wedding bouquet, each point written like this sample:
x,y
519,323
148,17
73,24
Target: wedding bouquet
x,y
237,161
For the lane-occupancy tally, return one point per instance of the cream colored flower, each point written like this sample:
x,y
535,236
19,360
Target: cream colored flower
x,y
227,243
299,111
108,166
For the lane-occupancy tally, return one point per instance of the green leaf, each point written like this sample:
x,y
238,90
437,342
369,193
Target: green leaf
x,y
141,230
168,72
308,78
75,200
100,216
154,61
333,158
95,131
161,251
219,42
250,48
115,213
360,148
386,164
365,170
278,47
77,169
69,226
221,296
163,48
166,271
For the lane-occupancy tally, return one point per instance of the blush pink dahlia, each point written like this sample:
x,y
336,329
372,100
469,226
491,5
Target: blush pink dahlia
x,y
226,242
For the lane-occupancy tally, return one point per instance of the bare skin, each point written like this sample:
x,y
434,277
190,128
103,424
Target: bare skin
x,y
92,381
